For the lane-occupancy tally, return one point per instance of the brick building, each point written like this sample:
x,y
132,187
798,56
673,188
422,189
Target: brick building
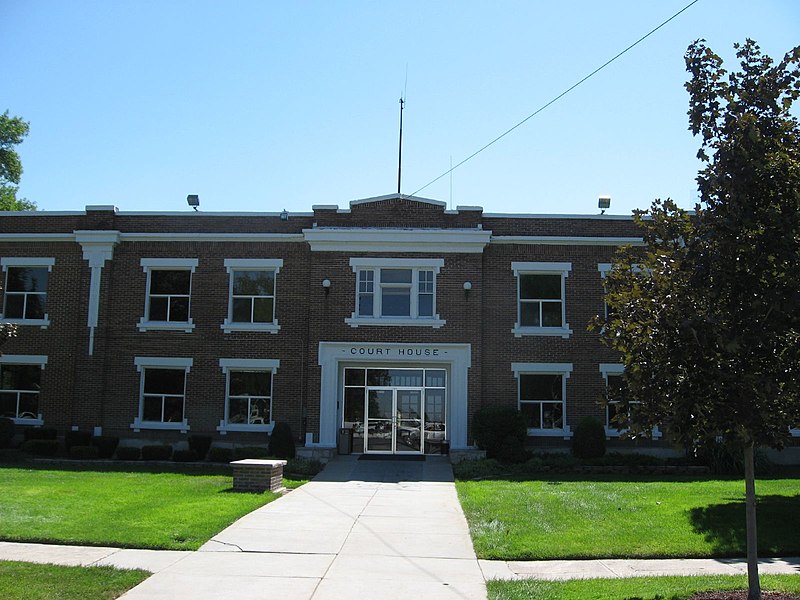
x,y
396,317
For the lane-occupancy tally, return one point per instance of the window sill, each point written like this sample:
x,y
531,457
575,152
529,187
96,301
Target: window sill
x,y
33,422
612,433
563,332
138,425
224,427
43,323
230,327
562,433
395,322
186,326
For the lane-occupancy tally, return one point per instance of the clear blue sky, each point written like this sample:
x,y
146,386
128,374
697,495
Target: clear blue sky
x,y
261,106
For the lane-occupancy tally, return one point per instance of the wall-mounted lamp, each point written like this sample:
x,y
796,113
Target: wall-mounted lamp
x,y
193,200
284,215
603,202
467,287
326,285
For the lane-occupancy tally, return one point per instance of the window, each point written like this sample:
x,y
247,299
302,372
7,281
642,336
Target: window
x,y
615,389
251,295
396,292
540,298
169,293
604,269
25,290
248,394
162,397
542,392
20,382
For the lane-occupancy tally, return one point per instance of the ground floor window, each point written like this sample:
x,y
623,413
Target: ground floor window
x,y
248,394
542,396
162,397
20,383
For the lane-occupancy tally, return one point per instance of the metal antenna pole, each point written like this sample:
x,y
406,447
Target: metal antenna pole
x,y
400,151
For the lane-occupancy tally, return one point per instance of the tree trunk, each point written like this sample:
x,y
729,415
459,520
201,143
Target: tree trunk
x,y
753,584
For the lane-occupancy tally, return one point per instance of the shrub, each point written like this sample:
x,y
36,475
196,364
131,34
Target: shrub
x,y
129,453
303,466
250,452
501,431
589,439
200,444
281,442
157,452
77,438
218,454
106,445
185,456
84,452
7,430
479,469
41,447
727,458
40,433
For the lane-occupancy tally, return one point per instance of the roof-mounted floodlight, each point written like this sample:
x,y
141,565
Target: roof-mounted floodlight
x,y
603,202
284,215
193,200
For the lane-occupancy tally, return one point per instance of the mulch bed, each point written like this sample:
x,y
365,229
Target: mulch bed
x,y
742,595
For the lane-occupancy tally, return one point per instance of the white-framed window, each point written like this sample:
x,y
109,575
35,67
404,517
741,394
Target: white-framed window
x,y
396,291
248,394
615,385
604,269
168,299
162,393
541,304
251,294
542,397
25,290
20,383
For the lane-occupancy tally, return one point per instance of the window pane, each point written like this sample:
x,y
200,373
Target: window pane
x,y
27,279
158,309
531,412
378,377
380,404
253,283
365,305
179,308
262,310
551,416
353,406
173,409
354,377
250,383
8,404
15,305
396,276
259,412
237,410
164,381
434,407
434,377
426,305
396,302
21,377
170,282
540,286
551,314
241,310
34,309
28,406
529,314
540,387
151,409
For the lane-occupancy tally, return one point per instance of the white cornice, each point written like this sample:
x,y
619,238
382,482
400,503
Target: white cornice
x,y
349,239
37,237
211,237
420,199
567,240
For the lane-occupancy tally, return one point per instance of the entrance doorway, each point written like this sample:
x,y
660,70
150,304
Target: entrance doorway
x,y
395,410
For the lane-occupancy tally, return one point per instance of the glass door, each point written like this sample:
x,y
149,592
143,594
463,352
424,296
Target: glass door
x,y
408,408
394,421
380,421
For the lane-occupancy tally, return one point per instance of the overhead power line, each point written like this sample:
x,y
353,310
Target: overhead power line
x,y
557,98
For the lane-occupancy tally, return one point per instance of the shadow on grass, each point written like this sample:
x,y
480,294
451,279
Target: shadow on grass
x,y
723,526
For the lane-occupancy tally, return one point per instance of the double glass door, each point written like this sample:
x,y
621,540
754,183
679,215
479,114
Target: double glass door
x,y
394,421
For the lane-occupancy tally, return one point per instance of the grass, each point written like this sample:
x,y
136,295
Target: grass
x,y
606,516
637,588
159,510
28,581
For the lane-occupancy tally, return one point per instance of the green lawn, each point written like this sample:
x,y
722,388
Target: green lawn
x,y
638,588
574,516
28,581
127,509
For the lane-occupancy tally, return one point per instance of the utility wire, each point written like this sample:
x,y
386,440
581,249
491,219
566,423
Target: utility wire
x,y
561,95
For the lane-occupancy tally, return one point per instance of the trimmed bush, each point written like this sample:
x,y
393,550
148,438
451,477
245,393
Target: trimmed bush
x,y
7,431
106,445
251,452
129,453
185,456
218,454
84,452
281,441
200,445
589,439
303,466
157,452
40,433
41,447
77,438
501,431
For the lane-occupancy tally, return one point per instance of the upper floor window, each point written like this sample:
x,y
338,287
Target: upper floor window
x,y
541,306
169,293
251,294
25,290
162,397
542,394
20,382
395,292
248,394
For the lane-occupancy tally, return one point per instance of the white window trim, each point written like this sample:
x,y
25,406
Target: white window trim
x,y
26,359
252,264
563,369
607,369
247,364
26,261
162,362
543,268
415,264
148,265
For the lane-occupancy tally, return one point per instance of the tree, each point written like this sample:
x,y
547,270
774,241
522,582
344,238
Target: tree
x,y
707,315
12,131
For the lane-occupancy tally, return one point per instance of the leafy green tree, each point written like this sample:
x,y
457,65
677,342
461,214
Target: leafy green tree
x,y
12,131
707,314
